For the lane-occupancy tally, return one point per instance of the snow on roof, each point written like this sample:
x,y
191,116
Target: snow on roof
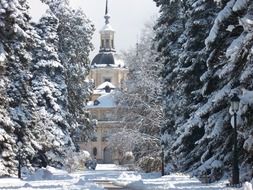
x,y
103,85
107,27
105,101
101,89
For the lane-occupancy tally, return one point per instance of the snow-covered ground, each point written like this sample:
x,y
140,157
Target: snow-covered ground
x,y
50,178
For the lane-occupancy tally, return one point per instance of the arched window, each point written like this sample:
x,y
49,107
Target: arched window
x,y
107,43
112,44
95,151
103,44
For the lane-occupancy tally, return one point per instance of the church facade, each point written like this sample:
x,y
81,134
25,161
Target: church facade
x,y
108,72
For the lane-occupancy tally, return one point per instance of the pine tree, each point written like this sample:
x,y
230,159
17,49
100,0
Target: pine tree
x,y
16,40
35,108
228,45
75,33
49,92
7,137
177,33
203,131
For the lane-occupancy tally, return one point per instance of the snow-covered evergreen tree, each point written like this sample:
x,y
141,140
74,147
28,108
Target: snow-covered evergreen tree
x,y
7,137
16,42
212,62
75,33
49,93
181,40
34,108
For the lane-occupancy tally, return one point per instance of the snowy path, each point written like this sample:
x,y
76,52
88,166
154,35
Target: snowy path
x,y
106,184
104,176
107,177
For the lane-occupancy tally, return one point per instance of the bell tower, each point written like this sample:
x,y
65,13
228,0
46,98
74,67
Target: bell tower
x,y
107,34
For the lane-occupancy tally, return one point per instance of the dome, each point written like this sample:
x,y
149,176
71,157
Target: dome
x,y
107,56
104,59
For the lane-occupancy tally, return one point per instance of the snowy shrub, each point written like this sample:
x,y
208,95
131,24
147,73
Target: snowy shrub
x,y
128,158
76,161
149,164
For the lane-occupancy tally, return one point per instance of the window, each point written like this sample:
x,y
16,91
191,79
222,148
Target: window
x,y
105,139
107,43
107,89
112,44
95,151
94,139
96,102
107,79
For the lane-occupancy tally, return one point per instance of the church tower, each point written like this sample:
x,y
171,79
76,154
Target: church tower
x,y
107,66
108,72
107,34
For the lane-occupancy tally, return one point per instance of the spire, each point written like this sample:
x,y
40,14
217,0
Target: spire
x,y
106,8
107,34
107,16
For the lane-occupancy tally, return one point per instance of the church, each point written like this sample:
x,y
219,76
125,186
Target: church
x,y
108,72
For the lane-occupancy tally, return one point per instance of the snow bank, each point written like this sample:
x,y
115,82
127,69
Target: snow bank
x,y
129,177
109,167
247,186
48,173
84,185
125,179
137,185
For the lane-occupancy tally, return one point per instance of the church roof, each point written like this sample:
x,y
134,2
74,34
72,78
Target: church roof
x,y
101,89
110,59
103,85
107,27
104,101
